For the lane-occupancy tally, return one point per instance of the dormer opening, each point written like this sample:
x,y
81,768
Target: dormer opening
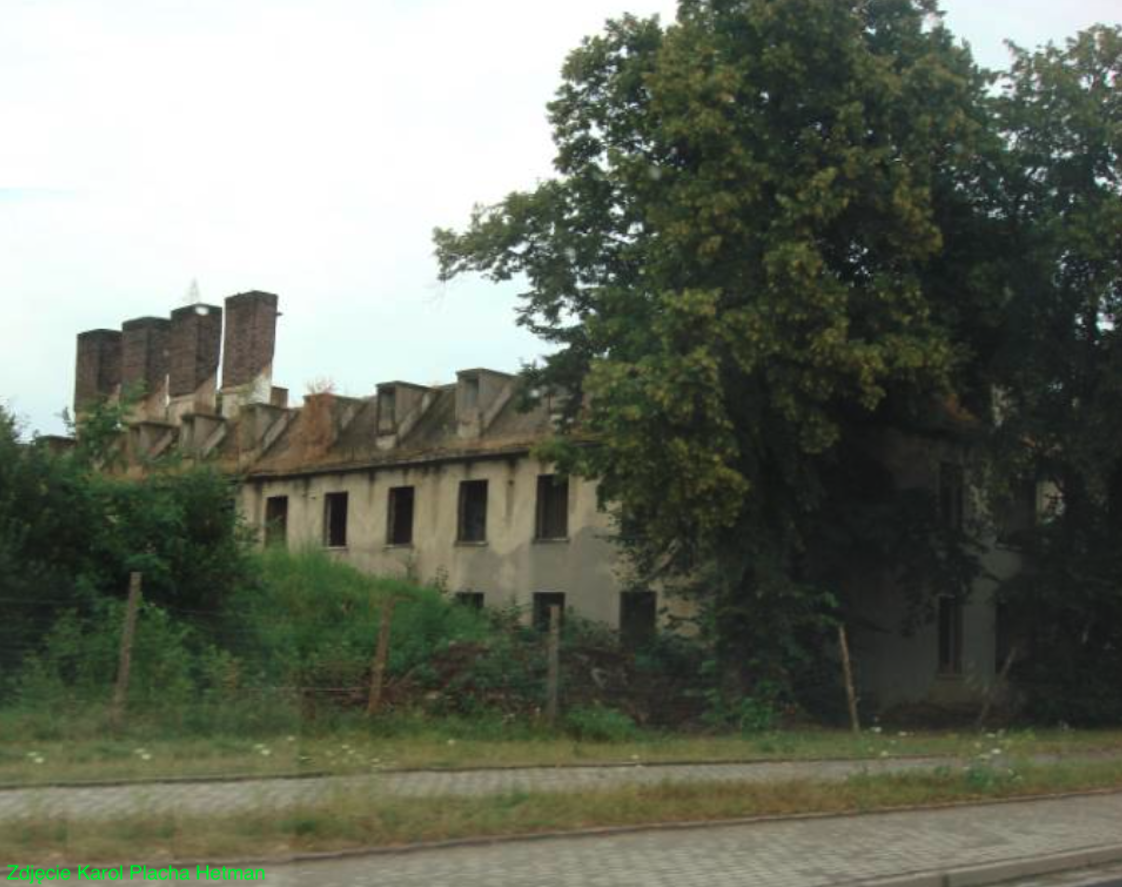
x,y
480,394
470,392
400,405
387,409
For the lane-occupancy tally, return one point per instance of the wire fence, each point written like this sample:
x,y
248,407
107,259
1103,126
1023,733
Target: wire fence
x,y
543,676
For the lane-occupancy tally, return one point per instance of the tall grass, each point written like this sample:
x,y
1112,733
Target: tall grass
x,y
296,641
312,621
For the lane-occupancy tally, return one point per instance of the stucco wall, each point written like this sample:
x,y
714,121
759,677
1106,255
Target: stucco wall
x,y
893,665
895,647
508,568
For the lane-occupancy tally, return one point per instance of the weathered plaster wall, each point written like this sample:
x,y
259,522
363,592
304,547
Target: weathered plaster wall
x,y
897,655
508,568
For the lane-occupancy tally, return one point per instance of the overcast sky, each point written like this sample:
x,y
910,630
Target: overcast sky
x,y
303,147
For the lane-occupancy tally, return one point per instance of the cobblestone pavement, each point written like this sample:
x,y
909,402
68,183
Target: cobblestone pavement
x,y
804,853
227,797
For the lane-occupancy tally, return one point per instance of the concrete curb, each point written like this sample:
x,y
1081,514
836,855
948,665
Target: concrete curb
x,y
1006,870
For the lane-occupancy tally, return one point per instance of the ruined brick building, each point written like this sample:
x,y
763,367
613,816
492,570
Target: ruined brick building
x,y
441,481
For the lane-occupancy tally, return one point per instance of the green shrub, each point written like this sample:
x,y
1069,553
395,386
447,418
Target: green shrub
x,y
311,621
600,724
171,664
758,712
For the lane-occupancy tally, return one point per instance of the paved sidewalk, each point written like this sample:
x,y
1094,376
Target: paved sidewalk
x,y
804,853
1108,874
228,797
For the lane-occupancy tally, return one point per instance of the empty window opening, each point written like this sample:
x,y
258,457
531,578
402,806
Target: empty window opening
x,y
335,520
276,520
471,599
950,635
553,507
543,600
473,511
387,408
400,518
952,496
638,613
470,392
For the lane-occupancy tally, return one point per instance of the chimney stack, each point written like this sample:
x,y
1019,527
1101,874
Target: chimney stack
x,y
144,364
97,374
195,342
247,367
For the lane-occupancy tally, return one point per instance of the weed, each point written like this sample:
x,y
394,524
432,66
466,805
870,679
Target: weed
x,y
600,724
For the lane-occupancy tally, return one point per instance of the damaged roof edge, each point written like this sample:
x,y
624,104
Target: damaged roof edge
x,y
436,458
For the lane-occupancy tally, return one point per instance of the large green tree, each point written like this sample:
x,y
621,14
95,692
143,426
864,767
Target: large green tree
x,y
768,238
71,532
1060,367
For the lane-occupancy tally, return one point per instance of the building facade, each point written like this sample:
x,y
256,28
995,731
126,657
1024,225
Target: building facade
x,y
442,483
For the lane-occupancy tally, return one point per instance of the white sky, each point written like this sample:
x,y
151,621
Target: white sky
x,y
303,148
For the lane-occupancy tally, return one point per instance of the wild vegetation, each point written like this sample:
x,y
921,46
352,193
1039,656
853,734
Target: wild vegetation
x,y
235,641
778,229
781,230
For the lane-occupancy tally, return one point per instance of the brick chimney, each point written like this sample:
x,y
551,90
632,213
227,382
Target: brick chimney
x,y
97,373
195,342
247,363
144,364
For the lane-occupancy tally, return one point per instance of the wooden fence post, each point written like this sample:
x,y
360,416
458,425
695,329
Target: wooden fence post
x,y
381,654
999,683
847,668
124,663
553,665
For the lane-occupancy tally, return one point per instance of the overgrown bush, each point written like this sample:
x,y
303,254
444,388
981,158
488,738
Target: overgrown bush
x,y
756,712
1066,617
310,621
71,532
600,724
172,665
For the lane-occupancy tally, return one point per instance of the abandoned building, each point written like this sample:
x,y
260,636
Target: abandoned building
x,y
441,481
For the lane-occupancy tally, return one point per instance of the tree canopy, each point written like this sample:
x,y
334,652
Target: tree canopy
x,y
1059,367
771,232
71,532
